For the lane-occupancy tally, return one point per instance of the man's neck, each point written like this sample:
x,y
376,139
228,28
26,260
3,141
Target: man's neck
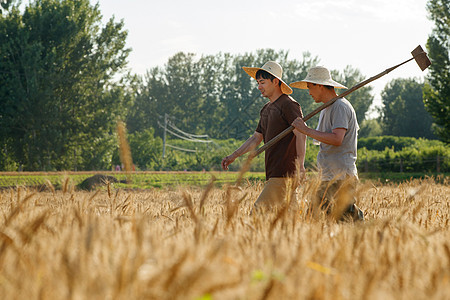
x,y
330,95
275,96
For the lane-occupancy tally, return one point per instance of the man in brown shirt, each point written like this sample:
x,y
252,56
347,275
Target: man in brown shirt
x,y
281,158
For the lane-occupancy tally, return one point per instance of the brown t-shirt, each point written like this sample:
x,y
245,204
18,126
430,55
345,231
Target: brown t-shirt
x,y
274,118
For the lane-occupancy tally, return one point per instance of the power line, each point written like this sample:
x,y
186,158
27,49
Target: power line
x,y
185,133
196,138
183,137
181,149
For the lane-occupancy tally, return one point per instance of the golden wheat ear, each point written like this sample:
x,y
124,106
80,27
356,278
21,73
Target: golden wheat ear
x,y
308,196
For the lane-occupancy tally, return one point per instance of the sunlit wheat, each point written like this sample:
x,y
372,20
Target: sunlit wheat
x,y
203,243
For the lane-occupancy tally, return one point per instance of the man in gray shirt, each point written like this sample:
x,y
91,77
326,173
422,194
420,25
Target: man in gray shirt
x,y
337,134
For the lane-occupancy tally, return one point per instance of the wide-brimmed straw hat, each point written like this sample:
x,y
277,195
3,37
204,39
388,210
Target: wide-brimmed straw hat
x,y
317,75
272,68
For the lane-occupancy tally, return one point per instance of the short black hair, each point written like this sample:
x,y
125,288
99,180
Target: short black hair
x,y
326,86
266,75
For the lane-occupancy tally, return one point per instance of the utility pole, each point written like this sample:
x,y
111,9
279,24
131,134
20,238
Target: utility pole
x,y
164,136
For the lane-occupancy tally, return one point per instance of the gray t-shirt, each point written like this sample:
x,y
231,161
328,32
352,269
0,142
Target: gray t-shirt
x,y
335,162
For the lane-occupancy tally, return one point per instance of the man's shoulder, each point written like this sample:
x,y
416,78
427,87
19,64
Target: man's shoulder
x,y
286,99
342,108
265,106
343,103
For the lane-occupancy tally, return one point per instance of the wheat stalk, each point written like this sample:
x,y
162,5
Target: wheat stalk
x,y
124,149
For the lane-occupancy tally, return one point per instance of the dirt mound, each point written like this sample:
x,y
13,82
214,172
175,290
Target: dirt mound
x,y
94,181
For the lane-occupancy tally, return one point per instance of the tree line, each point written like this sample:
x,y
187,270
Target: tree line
x,y
65,85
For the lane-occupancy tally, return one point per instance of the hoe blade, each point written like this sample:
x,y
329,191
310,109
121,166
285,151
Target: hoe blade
x,y
421,58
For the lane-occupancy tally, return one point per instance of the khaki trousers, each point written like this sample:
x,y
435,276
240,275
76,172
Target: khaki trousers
x,y
277,192
342,191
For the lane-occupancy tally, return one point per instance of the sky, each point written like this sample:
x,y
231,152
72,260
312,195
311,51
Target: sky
x,y
368,35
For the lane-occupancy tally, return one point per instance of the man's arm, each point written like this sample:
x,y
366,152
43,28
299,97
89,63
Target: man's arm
x,y
300,143
334,138
250,144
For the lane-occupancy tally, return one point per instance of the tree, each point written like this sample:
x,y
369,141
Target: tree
x,y
370,128
187,89
60,103
146,150
437,90
150,95
403,112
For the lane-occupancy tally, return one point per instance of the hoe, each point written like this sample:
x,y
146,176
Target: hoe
x,y
419,56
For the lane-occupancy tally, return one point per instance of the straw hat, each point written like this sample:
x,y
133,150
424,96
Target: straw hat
x,y
317,75
272,68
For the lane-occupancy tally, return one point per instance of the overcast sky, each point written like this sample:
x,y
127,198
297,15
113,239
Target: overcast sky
x,y
368,35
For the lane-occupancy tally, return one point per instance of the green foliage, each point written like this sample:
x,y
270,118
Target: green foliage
x,y
311,154
370,128
403,112
60,103
398,143
437,91
402,154
7,163
146,150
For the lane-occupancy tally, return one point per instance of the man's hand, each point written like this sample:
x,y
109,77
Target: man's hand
x,y
227,161
248,145
300,125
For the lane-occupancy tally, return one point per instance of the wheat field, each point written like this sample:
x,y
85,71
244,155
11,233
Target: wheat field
x,y
202,243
